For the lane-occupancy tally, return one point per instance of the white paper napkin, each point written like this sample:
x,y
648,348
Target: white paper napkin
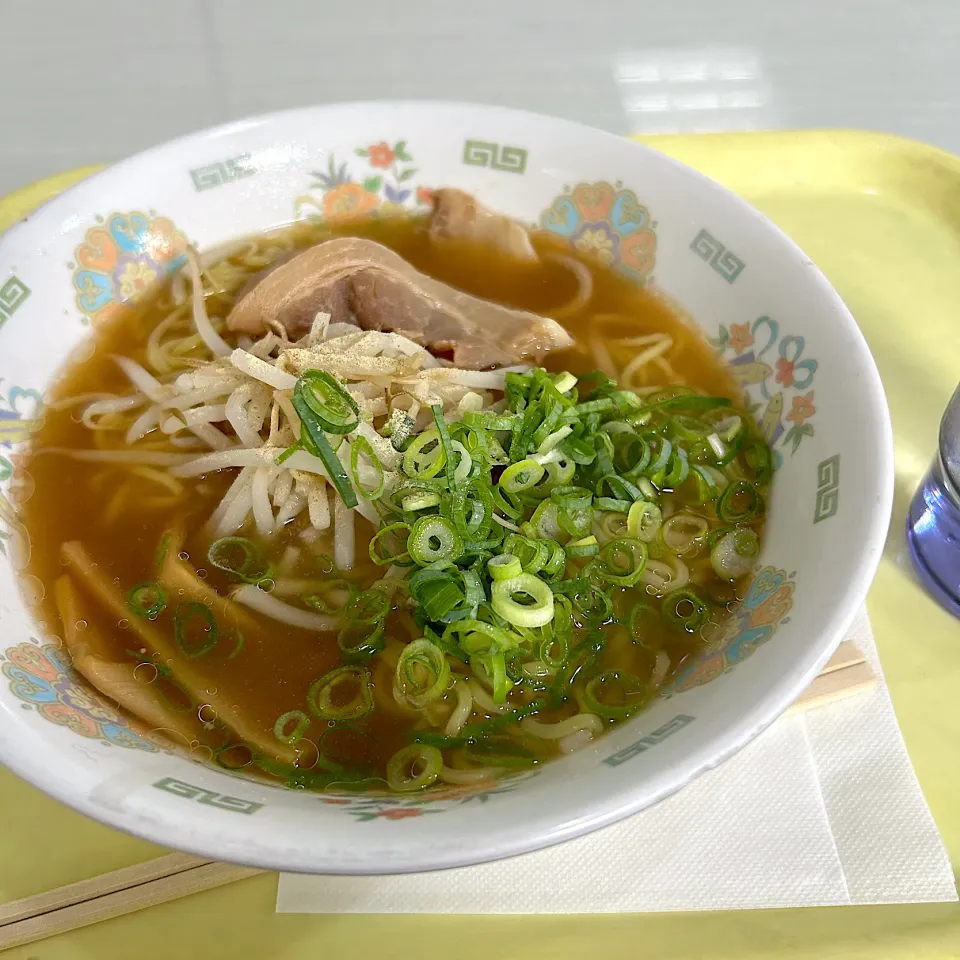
x,y
822,809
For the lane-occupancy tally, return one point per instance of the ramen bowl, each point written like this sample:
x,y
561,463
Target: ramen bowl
x,y
788,339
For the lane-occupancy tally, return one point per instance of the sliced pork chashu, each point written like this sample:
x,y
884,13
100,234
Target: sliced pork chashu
x,y
459,218
363,282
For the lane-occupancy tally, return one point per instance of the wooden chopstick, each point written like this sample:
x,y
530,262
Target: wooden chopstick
x,y
848,654
179,875
845,674
106,883
112,895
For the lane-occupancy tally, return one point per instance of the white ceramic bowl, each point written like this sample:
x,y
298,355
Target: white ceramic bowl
x,y
767,308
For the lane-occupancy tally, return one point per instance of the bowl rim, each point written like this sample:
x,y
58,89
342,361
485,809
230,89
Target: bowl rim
x,y
624,801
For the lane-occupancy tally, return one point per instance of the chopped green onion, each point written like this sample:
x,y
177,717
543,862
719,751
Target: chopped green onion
x,y
413,502
446,593
588,599
368,606
577,522
414,768
434,538
238,557
342,694
501,752
554,439
681,531
476,638
315,441
325,600
322,404
733,555
718,447
238,646
690,428
504,567
690,401
578,664
621,562
570,497
422,674
611,525
626,400
525,601
676,471
396,552
147,600
162,548
585,547
507,504
575,472
300,722
707,487
646,488
595,406
611,504
730,426
532,554
446,444
684,609
425,457
546,522
641,621
362,447
561,471
615,695
478,497
519,477
333,409
359,640
557,560
740,502
643,520
476,732
635,456
494,668
195,642
233,756
464,465
289,452
554,649
488,421
619,488
756,461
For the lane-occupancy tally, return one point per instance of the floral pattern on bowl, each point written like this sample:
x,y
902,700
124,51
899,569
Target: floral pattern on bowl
x,y
42,678
20,411
120,258
608,222
771,382
11,530
753,622
386,187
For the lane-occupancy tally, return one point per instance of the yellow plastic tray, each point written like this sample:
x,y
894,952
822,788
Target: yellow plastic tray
x,y
881,217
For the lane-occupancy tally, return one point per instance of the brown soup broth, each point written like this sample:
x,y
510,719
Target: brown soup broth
x,y
123,516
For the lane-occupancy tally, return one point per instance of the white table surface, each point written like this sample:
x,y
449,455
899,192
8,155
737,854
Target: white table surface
x,y
92,82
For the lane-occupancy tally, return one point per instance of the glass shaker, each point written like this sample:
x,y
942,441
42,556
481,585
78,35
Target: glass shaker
x,y
933,521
